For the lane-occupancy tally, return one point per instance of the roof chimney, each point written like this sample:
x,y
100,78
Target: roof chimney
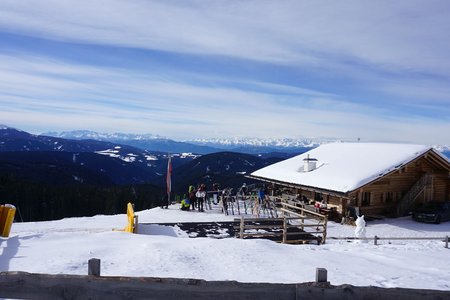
x,y
309,164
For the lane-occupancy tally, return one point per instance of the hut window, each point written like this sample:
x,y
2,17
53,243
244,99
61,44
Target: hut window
x,y
318,196
365,199
389,197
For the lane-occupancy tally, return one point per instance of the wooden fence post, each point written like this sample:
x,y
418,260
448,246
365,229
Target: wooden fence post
x,y
94,267
325,221
446,241
136,222
284,230
302,214
241,233
321,275
375,240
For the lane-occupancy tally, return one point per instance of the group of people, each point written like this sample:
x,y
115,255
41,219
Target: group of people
x,y
198,196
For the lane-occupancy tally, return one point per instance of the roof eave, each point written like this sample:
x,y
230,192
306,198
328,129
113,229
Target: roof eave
x,y
296,185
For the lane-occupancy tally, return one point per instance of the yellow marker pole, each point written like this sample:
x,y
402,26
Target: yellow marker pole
x,y
2,220
130,216
6,219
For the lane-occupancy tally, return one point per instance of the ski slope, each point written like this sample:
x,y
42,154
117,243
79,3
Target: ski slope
x,y
65,246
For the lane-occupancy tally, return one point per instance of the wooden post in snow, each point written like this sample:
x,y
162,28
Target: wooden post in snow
x,y
241,233
94,267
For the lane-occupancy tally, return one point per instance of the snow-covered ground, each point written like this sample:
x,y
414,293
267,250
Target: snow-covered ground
x,y
66,245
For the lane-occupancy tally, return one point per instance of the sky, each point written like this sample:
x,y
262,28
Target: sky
x,y
373,70
65,246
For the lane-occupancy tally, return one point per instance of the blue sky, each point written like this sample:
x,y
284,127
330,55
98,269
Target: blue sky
x,y
374,70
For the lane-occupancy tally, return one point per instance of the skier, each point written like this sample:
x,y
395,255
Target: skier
x,y
165,201
243,190
243,193
201,194
192,197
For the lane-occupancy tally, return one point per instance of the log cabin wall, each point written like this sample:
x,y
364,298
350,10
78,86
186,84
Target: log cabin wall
x,y
441,183
382,196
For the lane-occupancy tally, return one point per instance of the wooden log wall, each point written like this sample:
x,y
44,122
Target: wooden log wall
x,y
386,192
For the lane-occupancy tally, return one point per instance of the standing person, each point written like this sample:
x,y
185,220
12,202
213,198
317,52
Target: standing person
x,y
225,195
192,197
262,194
165,201
317,207
243,190
201,194
169,180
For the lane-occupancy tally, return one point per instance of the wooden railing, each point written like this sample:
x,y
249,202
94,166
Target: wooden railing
x,y
407,201
278,229
310,225
306,216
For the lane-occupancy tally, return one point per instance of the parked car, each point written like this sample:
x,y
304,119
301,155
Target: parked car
x,y
433,212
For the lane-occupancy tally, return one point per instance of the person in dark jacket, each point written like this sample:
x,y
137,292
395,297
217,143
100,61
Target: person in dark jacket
x,y
192,197
165,202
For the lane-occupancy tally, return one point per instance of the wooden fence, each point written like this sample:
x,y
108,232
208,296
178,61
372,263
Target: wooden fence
x,y
376,238
290,230
307,218
21,285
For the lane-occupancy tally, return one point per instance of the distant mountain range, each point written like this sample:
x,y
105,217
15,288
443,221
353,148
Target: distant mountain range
x,y
200,146
272,143
148,142
262,146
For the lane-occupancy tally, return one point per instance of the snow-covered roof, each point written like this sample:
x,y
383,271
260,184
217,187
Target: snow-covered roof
x,y
343,167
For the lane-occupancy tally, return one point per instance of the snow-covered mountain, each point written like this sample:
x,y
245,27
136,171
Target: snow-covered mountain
x,y
93,135
262,142
251,145
442,148
149,142
202,146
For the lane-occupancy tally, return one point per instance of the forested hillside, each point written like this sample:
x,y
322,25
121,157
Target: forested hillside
x,y
37,201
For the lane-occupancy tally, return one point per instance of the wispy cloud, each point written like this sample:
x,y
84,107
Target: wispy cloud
x,y
376,70
384,34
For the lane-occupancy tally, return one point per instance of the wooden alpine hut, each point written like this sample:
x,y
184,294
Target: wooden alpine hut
x,y
376,178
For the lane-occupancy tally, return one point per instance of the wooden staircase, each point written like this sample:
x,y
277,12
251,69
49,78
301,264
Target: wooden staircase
x,y
407,201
